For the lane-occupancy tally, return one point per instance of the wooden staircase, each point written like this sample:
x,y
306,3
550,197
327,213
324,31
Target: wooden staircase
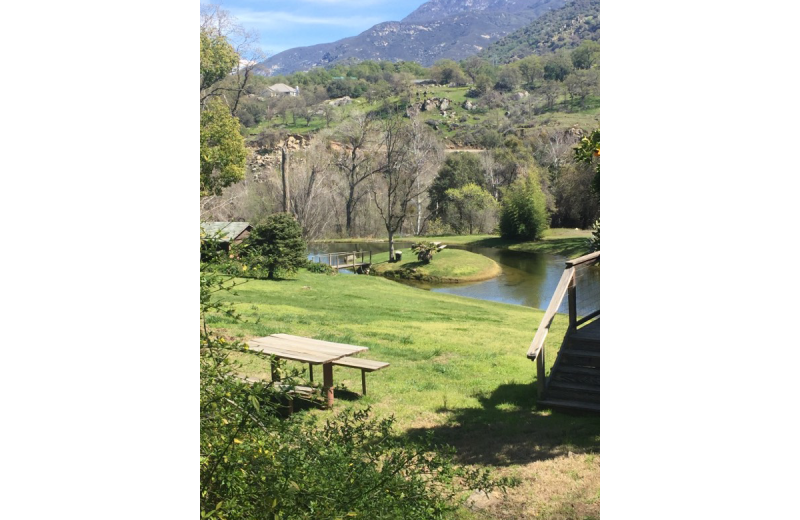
x,y
574,380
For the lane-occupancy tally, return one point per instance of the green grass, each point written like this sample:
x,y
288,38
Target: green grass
x,y
458,369
448,265
567,242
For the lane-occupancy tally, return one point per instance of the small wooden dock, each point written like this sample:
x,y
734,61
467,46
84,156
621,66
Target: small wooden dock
x,y
355,260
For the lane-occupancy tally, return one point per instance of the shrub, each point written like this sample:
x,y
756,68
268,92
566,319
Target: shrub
x,y
594,242
277,245
425,251
523,212
319,268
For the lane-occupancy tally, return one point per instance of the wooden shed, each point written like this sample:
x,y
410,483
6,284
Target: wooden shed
x,y
226,233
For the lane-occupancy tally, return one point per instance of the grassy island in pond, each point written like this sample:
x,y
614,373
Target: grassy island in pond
x,y
447,266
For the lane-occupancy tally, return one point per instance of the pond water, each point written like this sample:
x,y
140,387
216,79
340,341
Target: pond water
x,y
527,278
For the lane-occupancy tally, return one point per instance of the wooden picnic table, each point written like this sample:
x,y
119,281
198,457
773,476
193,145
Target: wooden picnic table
x,y
306,350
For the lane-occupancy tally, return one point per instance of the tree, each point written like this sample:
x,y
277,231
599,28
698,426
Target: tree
x,y
471,202
475,66
586,54
409,151
355,161
557,66
222,151
531,69
458,169
278,245
217,59
509,79
589,152
523,212
582,83
447,71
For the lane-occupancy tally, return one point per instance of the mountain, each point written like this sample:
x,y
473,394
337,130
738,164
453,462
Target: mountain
x,y
437,29
566,27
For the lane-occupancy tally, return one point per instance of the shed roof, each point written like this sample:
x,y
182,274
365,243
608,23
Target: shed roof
x,y
282,88
227,230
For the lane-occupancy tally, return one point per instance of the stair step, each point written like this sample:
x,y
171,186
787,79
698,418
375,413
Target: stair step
x,y
575,375
579,370
580,358
584,342
561,403
567,385
584,353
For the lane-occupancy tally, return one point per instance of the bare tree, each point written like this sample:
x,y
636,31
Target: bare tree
x,y
354,161
216,21
311,193
490,169
410,153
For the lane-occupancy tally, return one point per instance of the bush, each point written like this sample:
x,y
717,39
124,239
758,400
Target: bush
x,y
277,245
319,268
523,212
425,251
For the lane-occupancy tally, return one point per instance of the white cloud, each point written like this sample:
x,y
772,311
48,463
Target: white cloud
x,y
267,19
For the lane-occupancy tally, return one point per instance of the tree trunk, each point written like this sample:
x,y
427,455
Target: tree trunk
x,y
349,211
391,246
285,180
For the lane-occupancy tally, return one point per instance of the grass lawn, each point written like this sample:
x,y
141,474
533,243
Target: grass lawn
x,y
448,265
569,242
458,369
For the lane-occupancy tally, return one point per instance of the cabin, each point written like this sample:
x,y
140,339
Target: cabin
x,y
225,233
280,89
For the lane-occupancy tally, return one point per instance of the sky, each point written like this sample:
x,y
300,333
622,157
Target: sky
x,y
286,24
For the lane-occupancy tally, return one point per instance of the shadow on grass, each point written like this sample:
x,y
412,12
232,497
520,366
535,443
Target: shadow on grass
x,y
507,429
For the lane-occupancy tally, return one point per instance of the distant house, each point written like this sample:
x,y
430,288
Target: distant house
x,y
226,233
279,89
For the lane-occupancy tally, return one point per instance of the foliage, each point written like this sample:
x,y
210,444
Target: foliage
x,y
459,169
562,28
594,242
471,202
523,212
446,72
586,54
222,150
277,245
424,251
588,151
319,268
217,58
557,67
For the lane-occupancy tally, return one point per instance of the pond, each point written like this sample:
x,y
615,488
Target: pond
x,y
527,278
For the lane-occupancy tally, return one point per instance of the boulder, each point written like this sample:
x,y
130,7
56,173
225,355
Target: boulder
x,y
468,105
445,104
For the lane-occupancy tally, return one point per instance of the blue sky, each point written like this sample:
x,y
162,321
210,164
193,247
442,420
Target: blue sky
x,y
294,23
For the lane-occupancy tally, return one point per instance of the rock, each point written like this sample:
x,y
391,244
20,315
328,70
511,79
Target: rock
x,y
413,110
428,105
445,104
434,123
468,105
521,95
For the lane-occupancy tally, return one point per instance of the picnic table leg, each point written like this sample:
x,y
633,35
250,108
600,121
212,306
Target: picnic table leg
x,y
364,382
274,366
311,372
327,382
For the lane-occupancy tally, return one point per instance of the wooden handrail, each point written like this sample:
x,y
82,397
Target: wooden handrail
x,y
536,350
583,259
550,313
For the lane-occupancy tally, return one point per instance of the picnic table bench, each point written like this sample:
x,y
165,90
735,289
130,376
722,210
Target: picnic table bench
x,y
366,365
315,352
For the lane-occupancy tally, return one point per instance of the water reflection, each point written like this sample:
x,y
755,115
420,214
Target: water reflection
x,y
527,278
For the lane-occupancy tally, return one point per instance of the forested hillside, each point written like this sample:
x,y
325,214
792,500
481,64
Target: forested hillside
x,y
563,28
